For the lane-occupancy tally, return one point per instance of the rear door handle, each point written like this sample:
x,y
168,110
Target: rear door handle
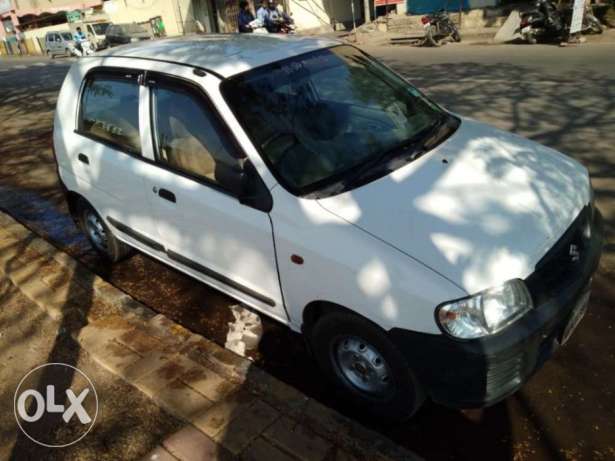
x,y
167,195
83,159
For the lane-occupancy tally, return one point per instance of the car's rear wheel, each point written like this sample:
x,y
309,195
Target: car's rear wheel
x,y
365,366
99,234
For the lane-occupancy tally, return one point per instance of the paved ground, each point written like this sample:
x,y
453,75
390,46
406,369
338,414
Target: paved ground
x,y
562,97
132,424
197,401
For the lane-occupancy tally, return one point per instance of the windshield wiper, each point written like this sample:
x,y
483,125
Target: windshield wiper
x,y
409,149
364,171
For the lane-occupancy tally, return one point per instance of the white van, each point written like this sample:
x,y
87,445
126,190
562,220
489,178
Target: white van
x,y
420,253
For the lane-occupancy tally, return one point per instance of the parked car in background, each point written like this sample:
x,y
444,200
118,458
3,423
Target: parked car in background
x,y
59,43
95,32
120,34
420,253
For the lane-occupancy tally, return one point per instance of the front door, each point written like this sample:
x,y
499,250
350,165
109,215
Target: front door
x,y
193,188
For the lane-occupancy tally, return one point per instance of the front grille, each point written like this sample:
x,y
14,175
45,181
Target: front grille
x,y
561,263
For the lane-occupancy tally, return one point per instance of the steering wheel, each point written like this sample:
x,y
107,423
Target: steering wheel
x,y
277,137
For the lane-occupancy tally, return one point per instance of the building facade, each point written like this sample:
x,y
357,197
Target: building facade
x,y
24,23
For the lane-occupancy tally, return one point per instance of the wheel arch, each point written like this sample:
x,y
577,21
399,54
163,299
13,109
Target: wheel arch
x,y
315,310
72,199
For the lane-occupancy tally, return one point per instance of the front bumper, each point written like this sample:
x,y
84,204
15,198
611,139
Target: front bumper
x,y
481,372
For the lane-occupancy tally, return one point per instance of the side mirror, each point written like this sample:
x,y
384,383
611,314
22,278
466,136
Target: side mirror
x,y
252,190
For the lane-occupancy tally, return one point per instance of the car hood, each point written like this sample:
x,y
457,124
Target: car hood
x,y
481,208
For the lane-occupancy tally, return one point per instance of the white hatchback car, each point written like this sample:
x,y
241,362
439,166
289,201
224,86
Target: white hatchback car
x,y
420,253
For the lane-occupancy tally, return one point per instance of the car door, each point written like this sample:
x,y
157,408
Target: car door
x,y
49,43
105,152
57,44
200,221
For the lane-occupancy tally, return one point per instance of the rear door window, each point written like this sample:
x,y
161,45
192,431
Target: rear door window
x,y
110,111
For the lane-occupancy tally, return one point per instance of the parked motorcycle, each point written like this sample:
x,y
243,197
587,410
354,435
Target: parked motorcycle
x,y
439,28
548,22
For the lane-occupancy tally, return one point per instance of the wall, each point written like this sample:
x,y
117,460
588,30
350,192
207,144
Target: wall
x,y
37,7
319,15
127,11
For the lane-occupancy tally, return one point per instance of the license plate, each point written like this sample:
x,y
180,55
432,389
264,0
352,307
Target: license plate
x,y
526,29
575,318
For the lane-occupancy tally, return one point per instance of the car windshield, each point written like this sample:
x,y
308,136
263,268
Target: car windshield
x,y
330,120
67,36
100,28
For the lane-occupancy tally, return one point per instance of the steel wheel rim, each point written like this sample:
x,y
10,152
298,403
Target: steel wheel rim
x,y
362,366
96,231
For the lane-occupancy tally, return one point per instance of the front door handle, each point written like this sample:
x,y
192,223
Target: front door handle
x,y
167,195
83,159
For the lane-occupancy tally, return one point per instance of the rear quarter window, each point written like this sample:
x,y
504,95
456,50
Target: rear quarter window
x,y
109,112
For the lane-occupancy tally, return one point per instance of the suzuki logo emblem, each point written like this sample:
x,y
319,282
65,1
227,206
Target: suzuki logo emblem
x,y
575,255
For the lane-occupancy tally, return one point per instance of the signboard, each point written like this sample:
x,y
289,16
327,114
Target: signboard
x,y
387,2
578,10
73,16
5,5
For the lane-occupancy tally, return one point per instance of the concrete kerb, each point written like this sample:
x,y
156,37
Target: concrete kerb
x,y
184,373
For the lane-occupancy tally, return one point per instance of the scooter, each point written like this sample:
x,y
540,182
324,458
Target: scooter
x,y
83,48
547,22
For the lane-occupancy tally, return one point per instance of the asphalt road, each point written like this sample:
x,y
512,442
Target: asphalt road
x,y
562,97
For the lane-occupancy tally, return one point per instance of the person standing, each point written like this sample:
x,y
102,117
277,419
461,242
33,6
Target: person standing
x,y
245,17
79,38
262,14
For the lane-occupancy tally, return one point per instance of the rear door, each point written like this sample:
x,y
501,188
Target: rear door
x,y
200,221
57,44
106,155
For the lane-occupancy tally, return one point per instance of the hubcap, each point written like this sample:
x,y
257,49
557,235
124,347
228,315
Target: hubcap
x,y
96,231
363,366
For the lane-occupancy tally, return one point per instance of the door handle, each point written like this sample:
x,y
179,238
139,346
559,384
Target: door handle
x,y
83,159
167,195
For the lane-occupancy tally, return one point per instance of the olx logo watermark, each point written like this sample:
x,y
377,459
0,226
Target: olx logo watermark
x,y
55,405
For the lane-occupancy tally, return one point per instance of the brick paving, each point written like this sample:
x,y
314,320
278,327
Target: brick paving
x,y
231,408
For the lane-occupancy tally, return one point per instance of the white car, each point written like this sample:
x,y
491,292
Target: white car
x,y
420,253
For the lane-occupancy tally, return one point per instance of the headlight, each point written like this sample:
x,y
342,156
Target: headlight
x,y
485,313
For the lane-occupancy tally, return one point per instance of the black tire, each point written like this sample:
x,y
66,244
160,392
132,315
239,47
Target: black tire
x,y
329,338
530,38
109,247
594,25
430,37
456,35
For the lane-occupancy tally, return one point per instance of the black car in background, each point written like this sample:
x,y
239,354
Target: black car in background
x,y
120,34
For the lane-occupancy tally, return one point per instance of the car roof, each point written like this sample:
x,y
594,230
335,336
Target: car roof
x,y
223,54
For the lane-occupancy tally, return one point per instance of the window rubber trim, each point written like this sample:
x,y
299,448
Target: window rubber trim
x,y
153,79
113,73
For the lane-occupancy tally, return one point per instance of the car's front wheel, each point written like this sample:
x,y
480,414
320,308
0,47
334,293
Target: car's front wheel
x,y
99,234
370,372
